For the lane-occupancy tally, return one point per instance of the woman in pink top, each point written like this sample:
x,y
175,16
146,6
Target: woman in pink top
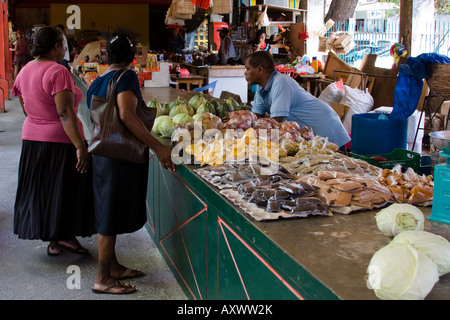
x,y
54,200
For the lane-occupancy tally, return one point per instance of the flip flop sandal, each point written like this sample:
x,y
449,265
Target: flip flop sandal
x,y
108,290
127,274
51,254
79,250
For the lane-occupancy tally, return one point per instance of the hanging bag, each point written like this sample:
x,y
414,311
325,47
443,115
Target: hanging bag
x,y
110,137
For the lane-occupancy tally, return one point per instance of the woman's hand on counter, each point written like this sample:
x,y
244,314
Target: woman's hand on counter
x,y
164,154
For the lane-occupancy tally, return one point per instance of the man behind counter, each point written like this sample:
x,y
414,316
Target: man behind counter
x,y
284,99
227,53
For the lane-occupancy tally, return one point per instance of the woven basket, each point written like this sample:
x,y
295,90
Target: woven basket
x,y
183,7
220,7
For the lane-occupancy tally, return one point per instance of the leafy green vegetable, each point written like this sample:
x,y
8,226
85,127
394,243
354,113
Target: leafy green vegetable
x,y
177,109
197,100
182,117
157,123
155,104
166,127
401,272
437,248
399,217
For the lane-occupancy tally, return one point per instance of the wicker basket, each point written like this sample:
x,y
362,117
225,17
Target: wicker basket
x,y
221,7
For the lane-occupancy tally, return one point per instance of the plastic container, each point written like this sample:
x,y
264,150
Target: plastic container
x,y
315,64
371,135
407,159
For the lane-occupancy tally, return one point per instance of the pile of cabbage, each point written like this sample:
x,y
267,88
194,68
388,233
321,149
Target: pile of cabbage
x,y
411,264
168,116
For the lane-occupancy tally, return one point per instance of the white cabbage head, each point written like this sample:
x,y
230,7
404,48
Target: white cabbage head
x,y
437,248
399,217
401,272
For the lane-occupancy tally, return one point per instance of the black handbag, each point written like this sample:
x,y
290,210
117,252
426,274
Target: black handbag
x,y
110,137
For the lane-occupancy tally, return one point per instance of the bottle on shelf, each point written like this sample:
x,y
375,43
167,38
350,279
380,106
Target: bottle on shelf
x,y
315,64
177,70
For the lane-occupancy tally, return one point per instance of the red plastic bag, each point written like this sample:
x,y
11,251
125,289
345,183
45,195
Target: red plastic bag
x,y
184,73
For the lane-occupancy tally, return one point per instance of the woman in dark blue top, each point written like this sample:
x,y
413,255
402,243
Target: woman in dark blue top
x,y
120,187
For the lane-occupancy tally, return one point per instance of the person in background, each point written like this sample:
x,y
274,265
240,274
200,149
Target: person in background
x,y
54,200
176,42
227,53
66,59
260,44
21,53
120,187
282,97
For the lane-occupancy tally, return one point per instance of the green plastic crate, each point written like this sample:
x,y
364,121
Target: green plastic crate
x,y
400,156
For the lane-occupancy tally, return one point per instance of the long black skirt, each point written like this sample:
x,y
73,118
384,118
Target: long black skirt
x,y
120,191
53,201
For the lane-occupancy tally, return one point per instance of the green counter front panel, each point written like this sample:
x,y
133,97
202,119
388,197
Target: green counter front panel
x,y
213,249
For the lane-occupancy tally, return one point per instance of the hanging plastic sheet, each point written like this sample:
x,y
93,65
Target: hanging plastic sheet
x,y
410,82
204,4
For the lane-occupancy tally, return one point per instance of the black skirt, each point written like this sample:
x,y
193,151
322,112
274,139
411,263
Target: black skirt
x,y
120,191
53,201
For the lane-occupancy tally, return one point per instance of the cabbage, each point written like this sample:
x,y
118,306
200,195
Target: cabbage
x,y
401,272
166,127
399,217
175,102
215,105
165,109
155,104
191,110
197,100
182,118
434,246
177,109
204,107
157,123
197,116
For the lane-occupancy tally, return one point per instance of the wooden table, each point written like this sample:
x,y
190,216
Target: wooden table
x,y
308,78
187,80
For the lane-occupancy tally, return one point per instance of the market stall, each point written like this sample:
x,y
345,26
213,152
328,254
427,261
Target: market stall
x,y
223,244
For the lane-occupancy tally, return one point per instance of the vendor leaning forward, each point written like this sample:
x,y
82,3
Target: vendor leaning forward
x,y
284,99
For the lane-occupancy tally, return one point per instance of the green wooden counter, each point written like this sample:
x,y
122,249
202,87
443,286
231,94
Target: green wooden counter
x,y
217,251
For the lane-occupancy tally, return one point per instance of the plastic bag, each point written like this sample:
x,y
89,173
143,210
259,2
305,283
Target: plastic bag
x,y
359,101
333,92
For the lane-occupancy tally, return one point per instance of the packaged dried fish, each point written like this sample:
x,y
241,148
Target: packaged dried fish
x,y
281,194
267,193
258,199
288,205
307,200
273,205
246,188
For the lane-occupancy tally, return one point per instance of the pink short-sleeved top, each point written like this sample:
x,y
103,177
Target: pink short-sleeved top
x,y
37,83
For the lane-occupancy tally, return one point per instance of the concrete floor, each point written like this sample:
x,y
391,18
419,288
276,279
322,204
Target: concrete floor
x,y
28,273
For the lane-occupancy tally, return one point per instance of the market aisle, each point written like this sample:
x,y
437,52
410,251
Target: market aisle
x,y
28,273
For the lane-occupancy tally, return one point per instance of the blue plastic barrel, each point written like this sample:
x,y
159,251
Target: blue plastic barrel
x,y
371,135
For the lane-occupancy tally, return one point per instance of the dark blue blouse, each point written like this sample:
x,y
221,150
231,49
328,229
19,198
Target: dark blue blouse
x,y
99,86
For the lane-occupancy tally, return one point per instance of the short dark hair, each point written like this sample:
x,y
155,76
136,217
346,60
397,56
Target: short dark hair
x,y
60,26
45,39
263,59
121,48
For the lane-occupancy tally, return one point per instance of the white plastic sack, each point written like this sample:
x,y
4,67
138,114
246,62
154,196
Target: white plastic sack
x,y
359,101
332,93
263,18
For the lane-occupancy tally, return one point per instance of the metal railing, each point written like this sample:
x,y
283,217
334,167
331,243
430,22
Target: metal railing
x,y
377,36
